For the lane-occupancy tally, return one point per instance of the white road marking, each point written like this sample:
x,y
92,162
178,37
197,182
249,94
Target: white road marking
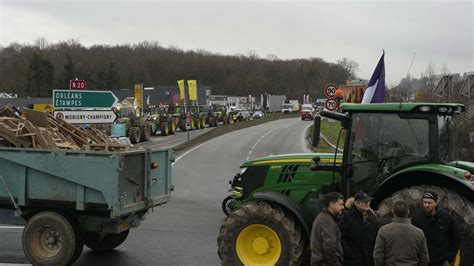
x,y
11,227
258,141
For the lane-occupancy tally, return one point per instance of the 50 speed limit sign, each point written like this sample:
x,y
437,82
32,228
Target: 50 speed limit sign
x,y
331,104
330,90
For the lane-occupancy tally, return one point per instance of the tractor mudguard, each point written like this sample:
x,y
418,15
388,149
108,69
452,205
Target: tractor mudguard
x,y
424,176
288,204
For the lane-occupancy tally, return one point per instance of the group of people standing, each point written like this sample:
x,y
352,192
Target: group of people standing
x,y
354,237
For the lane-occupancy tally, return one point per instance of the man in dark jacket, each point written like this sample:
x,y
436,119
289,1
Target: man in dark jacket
x,y
326,249
400,242
358,232
442,232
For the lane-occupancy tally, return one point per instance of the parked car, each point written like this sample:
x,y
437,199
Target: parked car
x,y
258,114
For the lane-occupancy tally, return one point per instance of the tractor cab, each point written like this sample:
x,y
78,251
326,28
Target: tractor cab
x,y
382,139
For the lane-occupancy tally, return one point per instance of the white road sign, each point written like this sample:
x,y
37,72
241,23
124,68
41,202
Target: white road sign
x,y
330,90
331,104
86,116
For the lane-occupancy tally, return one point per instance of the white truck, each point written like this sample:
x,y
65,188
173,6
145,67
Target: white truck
x,y
290,106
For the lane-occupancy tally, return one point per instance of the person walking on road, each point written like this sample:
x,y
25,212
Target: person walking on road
x,y
442,232
400,242
326,249
358,232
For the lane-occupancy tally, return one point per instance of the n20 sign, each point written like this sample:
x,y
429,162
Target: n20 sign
x,y
77,84
331,104
330,90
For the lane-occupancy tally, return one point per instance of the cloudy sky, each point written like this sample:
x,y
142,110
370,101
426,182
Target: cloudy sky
x,y
439,32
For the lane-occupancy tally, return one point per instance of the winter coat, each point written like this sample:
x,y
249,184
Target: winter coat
x,y
442,233
358,237
326,249
400,243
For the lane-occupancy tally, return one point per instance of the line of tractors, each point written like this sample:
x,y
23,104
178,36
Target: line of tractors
x,y
166,120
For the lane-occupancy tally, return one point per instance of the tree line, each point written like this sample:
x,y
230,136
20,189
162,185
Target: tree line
x,y
35,70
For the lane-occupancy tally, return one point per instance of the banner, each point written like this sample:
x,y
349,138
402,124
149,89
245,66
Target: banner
x,y
181,89
139,95
192,85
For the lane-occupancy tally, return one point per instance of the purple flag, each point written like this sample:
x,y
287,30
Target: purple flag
x,y
375,92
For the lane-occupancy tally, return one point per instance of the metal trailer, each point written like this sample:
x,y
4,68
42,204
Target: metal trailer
x,y
67,199
274,103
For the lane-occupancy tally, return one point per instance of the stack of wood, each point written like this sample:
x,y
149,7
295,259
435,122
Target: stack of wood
x,y
35,129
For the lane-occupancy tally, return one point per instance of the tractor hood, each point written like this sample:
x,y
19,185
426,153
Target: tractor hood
x,y
326,158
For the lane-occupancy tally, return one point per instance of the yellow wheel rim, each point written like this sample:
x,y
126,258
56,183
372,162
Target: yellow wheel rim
x,y
258,244
173,127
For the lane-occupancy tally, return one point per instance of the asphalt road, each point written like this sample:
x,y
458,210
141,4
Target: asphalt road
x,y
184,231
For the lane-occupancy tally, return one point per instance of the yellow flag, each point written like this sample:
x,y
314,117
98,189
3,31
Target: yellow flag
x,y
181,89
192,90
139,94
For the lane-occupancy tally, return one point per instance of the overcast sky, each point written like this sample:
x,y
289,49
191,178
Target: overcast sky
x,y
440,32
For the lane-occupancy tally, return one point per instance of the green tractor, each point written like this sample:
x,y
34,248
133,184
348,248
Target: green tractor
x,y
391,151
179,116
217,114
138,127
198,115
161,120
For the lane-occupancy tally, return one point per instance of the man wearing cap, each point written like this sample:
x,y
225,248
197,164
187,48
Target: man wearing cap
x,y
358,232
442,232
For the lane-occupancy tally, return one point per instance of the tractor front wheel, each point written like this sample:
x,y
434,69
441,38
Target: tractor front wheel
x,y
460,208
259,234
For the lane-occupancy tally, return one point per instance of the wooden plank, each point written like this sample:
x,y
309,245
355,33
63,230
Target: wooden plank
x,y
36,117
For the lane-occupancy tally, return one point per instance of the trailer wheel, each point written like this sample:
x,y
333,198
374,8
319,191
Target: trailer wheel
x,y
51,239
107,243
134,134
164,129
259,234
459,207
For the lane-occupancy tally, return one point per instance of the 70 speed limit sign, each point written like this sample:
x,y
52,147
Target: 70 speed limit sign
x,y
331,104
330,90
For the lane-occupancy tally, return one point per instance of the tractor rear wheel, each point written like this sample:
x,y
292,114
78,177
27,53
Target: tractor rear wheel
x,y
259,234
164,129
458,206
172,128
134,134
94,241
146,134
197,123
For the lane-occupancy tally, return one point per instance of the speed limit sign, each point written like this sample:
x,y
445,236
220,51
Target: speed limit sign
x,y
331,104
330,90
